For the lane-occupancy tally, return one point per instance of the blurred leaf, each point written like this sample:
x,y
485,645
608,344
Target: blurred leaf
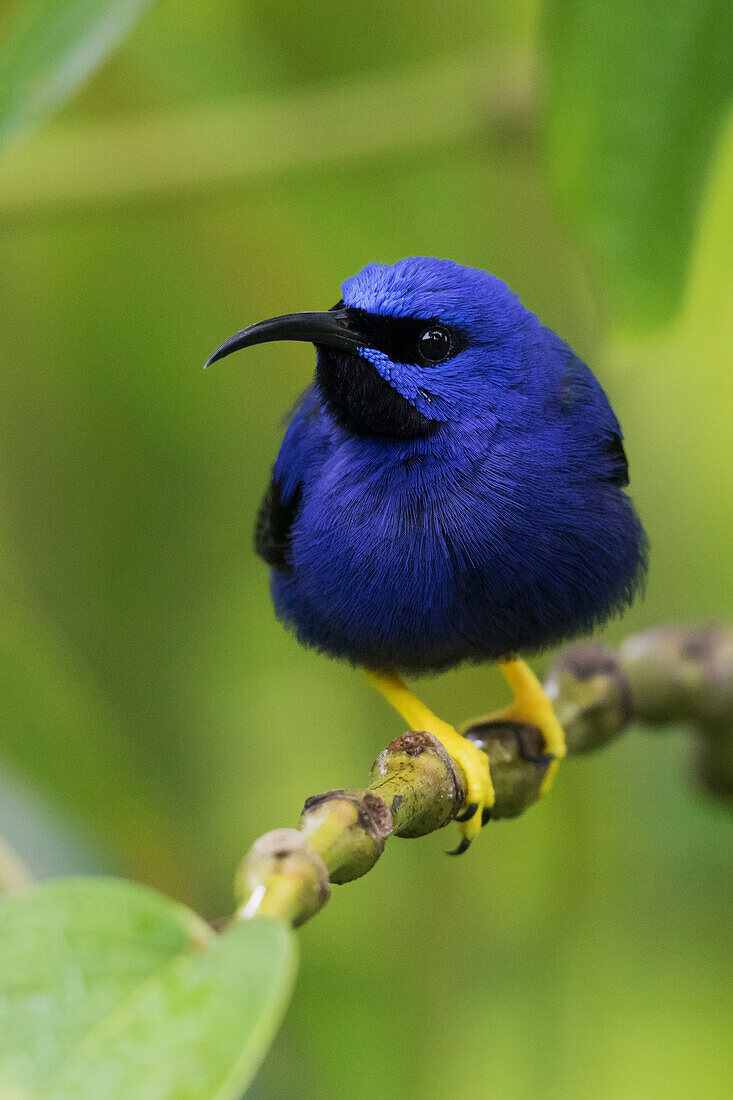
x,y
14,876
108,989
61,732
53,47
634,97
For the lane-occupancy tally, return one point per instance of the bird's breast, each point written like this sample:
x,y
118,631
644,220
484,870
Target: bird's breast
x,y
382,548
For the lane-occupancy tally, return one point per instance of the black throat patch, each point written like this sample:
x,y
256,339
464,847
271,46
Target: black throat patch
x,y
362,402
354,391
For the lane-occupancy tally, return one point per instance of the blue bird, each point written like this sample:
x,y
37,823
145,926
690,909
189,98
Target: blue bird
x,y
450,488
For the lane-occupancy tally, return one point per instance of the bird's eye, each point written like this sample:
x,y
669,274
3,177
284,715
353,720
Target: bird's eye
x,y
434,344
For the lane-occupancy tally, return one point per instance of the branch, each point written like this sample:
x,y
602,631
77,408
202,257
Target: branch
x,y
664,676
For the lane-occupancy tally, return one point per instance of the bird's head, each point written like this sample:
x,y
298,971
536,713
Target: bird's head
x,y
410,346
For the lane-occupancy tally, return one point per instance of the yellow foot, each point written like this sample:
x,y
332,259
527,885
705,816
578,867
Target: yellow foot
x,y
472,763
532,707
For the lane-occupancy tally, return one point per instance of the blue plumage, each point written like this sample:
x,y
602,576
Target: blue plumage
x,y
451,486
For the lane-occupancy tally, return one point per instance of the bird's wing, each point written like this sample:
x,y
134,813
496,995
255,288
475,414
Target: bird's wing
x,y
619,463
279,508
274,526
581,394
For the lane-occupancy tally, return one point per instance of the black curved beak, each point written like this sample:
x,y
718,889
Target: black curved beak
x,y
333,328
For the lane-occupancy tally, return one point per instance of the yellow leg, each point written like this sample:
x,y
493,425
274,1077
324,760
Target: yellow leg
x,y
531,706
472,763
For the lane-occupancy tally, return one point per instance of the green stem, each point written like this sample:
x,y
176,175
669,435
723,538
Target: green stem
x,y
214,145
664,676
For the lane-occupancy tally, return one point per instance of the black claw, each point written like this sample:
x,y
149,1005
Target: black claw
x,y
462,847
486,816
467,814
527,742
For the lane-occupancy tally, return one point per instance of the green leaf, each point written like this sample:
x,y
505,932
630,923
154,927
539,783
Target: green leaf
x,y
53,47
109,989
634,98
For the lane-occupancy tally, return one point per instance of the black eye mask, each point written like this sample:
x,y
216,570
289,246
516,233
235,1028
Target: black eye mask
x,y
402,339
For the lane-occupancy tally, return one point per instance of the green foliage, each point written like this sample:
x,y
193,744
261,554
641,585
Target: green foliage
x,y
147,691
54,46
108,989
634,98
43,690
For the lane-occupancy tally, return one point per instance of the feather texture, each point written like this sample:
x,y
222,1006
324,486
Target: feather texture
x,y
505,528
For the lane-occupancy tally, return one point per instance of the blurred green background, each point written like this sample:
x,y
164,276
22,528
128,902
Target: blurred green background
x,y
239,160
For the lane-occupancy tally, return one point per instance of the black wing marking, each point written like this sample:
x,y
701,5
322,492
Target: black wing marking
x,y
619,472
273,531
574,388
